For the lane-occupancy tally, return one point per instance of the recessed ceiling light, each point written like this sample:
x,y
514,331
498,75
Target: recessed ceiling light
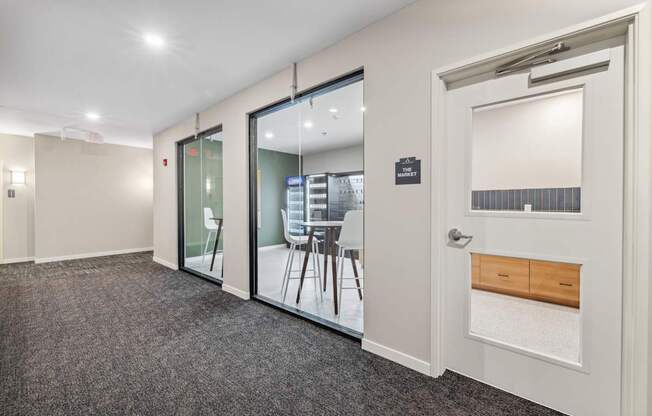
x,y
363,108
269,135
93,116
333,110
308,124
154,41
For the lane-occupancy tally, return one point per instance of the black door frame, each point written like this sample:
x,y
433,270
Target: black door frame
x,y
180,202
350,78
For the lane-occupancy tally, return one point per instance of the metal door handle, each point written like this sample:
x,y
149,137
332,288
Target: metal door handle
x,y
456,235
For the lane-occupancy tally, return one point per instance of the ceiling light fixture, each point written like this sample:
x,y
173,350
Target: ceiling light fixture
x,y
93,116
333,110
363,108
308,124
154,41
269,135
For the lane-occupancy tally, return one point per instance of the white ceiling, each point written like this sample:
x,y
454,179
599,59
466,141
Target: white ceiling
x,y
329,130
61,59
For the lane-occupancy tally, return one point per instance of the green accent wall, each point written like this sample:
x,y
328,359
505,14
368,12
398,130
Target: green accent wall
x,y
206,189
202,189
274,167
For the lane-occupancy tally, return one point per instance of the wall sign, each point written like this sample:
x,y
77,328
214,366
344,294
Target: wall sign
x,y
407,171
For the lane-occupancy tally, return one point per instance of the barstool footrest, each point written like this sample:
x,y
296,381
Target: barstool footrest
x,y
316,276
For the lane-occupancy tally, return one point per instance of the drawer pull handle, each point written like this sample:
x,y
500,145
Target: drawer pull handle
x,y
566,284
502,275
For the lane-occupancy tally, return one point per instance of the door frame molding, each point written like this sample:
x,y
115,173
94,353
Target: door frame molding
x,y
637,201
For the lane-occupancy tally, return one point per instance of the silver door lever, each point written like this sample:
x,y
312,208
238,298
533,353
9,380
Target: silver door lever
x,y
456,235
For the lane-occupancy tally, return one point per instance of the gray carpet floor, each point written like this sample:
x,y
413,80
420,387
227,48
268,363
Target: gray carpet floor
x,y
122,335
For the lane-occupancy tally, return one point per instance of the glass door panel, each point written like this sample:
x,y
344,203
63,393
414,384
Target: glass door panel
x,y
203,202
281,203
192,201
309,176
213,205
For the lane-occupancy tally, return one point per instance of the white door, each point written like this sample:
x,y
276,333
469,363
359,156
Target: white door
x,y
534,173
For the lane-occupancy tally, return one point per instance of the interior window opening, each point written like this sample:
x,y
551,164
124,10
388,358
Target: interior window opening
x,y
527,154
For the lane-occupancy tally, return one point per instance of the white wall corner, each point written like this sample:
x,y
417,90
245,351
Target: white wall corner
x,y
235,291
405,360
165,263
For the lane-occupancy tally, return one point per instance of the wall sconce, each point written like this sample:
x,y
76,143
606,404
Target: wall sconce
x,y
17,177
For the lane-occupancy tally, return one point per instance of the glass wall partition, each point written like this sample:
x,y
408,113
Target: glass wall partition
x,y
307,189
201,202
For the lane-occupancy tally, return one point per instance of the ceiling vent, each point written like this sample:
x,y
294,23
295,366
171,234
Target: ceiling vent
x,y
77,133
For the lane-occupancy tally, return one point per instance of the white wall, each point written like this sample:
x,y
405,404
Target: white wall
x,y
528,144
91,198
345,159
17,153
398,55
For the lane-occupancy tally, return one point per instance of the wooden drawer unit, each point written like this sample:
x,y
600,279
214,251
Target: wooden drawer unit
x,y
505,274
475,269
546,281
555,282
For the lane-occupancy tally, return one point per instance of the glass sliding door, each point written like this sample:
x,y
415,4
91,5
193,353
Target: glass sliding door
x,y
308,183
201,205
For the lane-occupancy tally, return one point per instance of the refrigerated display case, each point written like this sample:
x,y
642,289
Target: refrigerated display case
x,y
317,197
294,203
345,193
322,197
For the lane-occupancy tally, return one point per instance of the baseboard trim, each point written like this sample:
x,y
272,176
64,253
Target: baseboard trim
x,y
165,263
235,291
396,356
17,260
263,248
91,255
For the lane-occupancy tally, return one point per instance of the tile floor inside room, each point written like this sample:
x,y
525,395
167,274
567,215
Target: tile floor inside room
x,y
541,327
203,265
271,264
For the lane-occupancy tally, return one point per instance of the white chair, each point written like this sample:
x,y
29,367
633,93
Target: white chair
x,y
299,240
211,226
351,239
